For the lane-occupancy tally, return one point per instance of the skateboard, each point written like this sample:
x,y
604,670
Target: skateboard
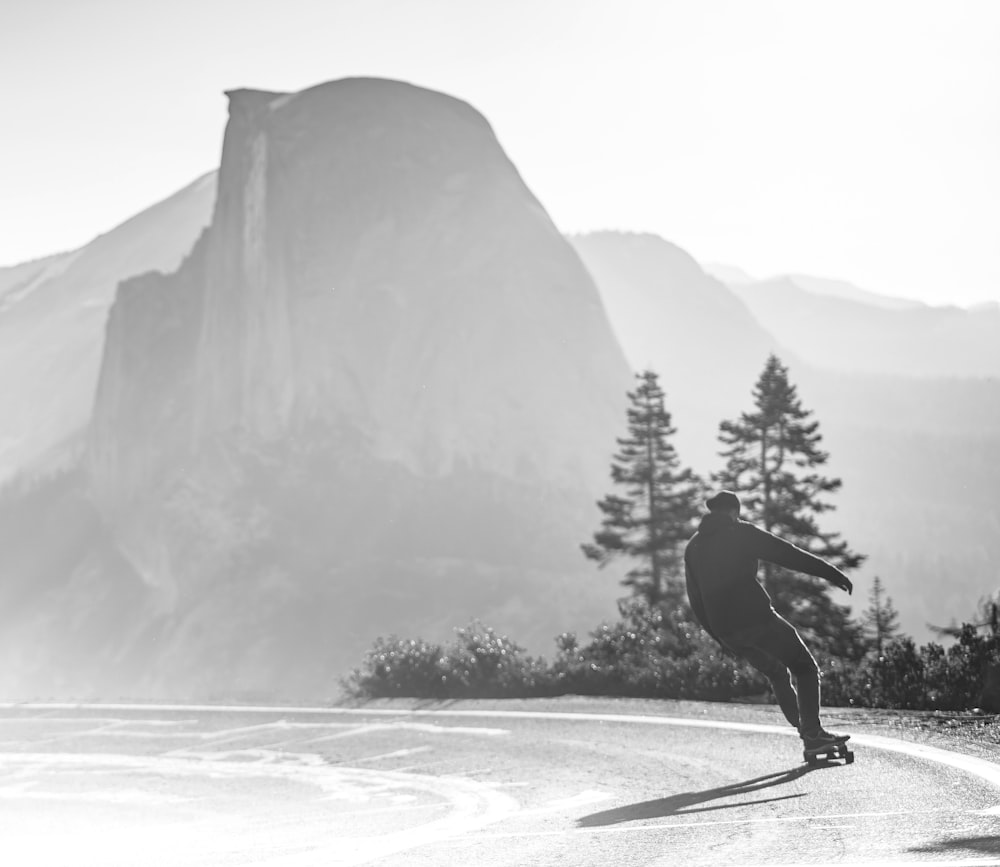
x,y
837,750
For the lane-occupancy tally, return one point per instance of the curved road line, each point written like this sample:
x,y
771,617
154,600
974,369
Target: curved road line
x,y
981,768
473,805
498,808
468,803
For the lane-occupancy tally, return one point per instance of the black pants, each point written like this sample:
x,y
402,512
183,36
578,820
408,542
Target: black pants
x,y
777,651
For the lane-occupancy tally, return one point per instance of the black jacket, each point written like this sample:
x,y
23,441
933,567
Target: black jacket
x,y
721,562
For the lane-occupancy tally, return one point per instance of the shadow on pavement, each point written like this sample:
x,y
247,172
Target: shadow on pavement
x,y
679,805
989,845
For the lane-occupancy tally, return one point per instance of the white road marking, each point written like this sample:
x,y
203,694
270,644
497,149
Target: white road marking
x,y
981,768
424,728
420,767
395,754
118,727
433,729
470,807
985,770
460,822
234,734
93,719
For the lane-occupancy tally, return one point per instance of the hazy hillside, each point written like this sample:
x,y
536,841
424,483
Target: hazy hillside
x,y
728,274
850,292
18,280
857,335
669,314
52,318
379,395
914,454
736,278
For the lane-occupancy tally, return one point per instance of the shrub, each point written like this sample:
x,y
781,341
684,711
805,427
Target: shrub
x,y
655,652
479,664
482,664
399,667
905,677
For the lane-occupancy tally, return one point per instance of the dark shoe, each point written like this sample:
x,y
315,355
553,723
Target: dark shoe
x,y
821,739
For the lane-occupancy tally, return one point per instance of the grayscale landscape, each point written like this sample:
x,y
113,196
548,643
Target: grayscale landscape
x,y
304,456
356,383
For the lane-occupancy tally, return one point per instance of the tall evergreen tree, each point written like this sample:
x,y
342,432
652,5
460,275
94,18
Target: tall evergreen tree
x,y
656,513
774,462
881,620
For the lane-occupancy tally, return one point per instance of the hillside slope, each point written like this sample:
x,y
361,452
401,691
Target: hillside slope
x,y
52,318
379,395
913,452
856,335
669,314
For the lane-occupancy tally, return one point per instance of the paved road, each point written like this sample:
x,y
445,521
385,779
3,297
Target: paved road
x,y
297,788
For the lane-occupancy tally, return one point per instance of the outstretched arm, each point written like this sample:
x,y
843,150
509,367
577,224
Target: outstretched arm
x,y
769,547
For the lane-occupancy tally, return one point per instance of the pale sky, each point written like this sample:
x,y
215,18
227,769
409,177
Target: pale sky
x,y
851,140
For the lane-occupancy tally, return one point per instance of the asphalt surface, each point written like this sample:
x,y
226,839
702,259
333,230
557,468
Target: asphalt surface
x,y
471,785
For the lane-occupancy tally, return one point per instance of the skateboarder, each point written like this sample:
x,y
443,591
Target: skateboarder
x,y
721,562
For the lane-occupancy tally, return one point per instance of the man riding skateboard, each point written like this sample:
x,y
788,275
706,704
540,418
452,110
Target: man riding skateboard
x,y
721,562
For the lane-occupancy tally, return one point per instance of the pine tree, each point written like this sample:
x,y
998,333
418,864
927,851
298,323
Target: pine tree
x,y
655,515
881,620
773,461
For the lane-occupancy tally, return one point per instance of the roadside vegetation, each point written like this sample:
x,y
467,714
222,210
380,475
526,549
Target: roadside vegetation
x,y
655,648
663,655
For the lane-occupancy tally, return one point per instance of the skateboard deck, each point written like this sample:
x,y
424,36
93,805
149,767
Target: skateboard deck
x,y
828,753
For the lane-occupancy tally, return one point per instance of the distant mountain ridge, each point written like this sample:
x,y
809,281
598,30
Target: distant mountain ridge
x,y
728,274
854,335
830,288
380,394
17,281
850,292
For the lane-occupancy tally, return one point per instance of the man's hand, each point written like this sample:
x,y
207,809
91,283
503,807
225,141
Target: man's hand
x,y
843,582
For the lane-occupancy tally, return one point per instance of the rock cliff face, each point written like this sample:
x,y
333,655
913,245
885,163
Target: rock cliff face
x,y
374,254
381,391
52,320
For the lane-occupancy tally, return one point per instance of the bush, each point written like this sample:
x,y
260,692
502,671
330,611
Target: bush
x,y
905,677
482,664
654,652
399,667
479,664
